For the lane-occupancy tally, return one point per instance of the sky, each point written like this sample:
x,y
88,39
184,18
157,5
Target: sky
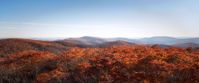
x,y
99,18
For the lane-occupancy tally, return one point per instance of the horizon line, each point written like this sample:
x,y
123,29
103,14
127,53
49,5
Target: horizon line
x,y
93,37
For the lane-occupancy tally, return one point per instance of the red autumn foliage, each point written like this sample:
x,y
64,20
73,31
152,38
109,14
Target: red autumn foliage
x,y
117,64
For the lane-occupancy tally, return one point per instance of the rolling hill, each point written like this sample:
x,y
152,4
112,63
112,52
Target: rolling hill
x,y
10,46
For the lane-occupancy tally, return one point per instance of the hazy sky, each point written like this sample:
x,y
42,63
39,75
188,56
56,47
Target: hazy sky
x,y
101,18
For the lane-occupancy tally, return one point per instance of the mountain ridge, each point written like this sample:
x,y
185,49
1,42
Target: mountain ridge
x,y
150,40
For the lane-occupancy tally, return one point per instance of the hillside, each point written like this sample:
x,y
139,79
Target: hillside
x,y
10,46
129,63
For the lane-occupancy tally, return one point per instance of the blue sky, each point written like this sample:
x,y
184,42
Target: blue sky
x,y
100,18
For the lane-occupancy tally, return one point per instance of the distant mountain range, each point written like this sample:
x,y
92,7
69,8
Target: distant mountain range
x,y
86,40
169,40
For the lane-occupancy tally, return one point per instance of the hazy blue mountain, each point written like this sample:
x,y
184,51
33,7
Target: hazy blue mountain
x,y
115,43
161,40
85,41
186,45
124,39
189,40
